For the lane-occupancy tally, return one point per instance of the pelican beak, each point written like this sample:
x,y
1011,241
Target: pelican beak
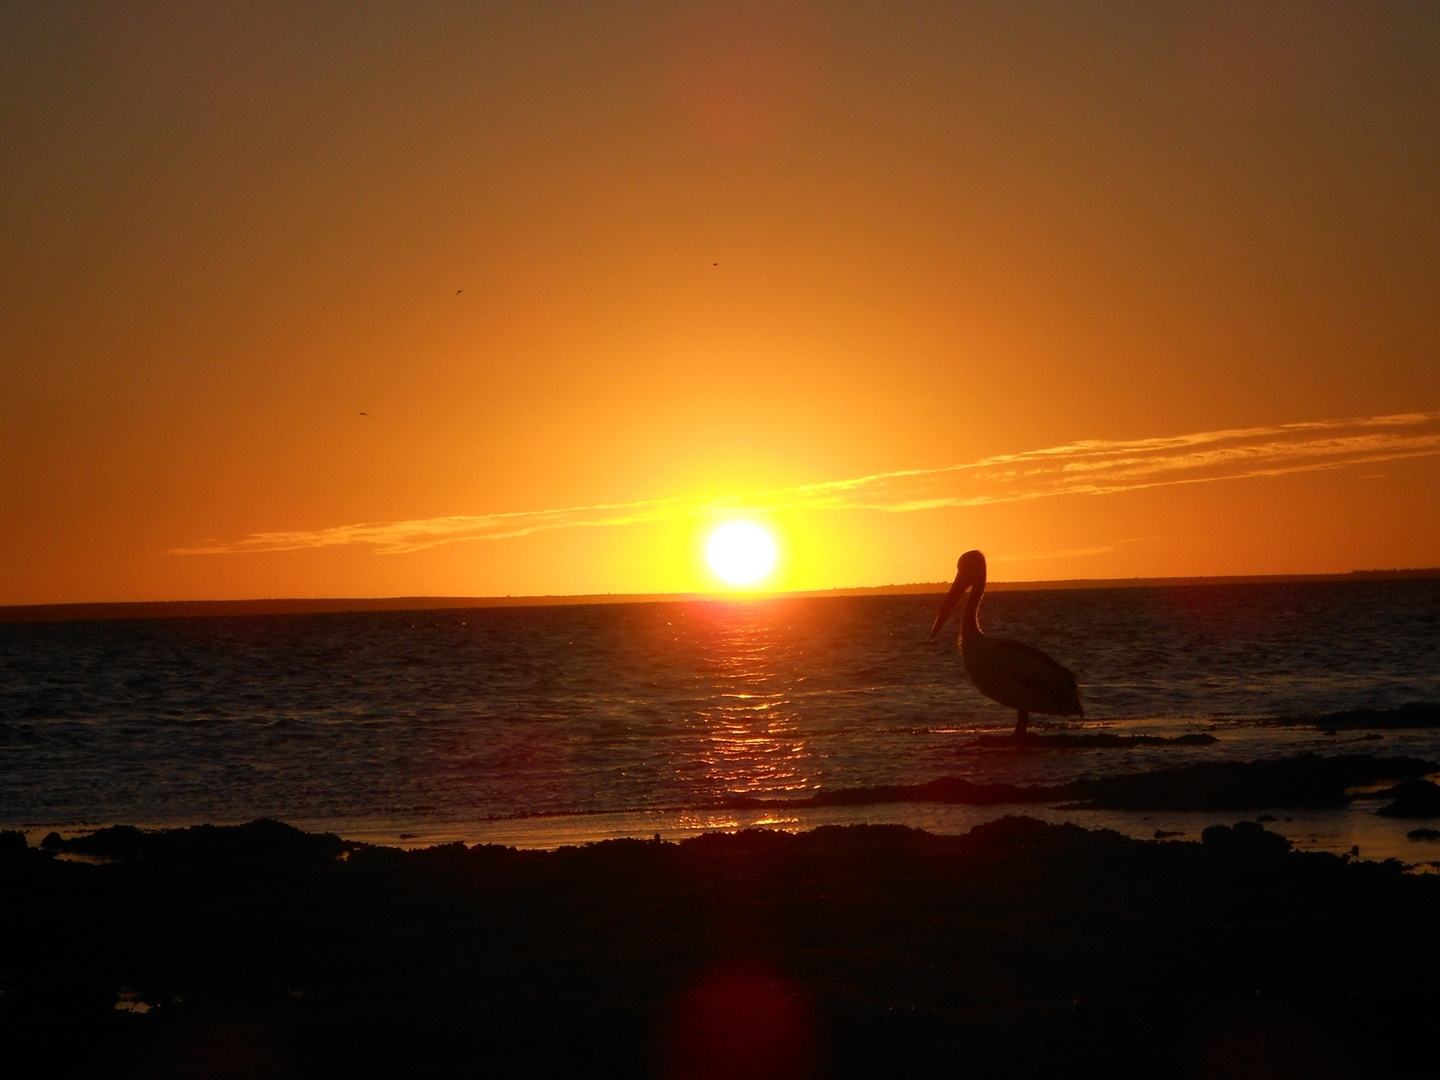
x,y
951,599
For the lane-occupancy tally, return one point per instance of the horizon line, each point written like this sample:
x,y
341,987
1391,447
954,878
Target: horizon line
x,y
120,610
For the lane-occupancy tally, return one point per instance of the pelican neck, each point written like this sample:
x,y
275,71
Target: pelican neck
x,y
970,618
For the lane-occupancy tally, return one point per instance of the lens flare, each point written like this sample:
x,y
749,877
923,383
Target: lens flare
x,y
740,552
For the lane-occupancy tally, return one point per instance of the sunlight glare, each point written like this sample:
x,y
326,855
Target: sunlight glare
x,y
740,552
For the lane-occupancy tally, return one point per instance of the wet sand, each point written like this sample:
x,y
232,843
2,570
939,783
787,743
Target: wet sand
x,y
1019,949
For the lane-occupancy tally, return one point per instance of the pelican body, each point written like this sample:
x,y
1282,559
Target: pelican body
x,y
1013,674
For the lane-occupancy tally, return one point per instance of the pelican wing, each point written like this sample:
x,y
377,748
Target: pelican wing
x,y
1025,678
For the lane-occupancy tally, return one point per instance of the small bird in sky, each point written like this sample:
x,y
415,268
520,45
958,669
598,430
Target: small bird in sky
x,y
459,291
1013,674
364,414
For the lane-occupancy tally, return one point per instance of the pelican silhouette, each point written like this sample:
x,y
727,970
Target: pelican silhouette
x,y
1006,671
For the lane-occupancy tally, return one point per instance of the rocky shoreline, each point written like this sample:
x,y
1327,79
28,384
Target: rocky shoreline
x,y
1302,780
1019,949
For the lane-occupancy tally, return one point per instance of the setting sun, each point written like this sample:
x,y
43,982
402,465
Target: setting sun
x,y
740,552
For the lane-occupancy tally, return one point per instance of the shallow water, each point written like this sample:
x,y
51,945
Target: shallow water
x,y
545,725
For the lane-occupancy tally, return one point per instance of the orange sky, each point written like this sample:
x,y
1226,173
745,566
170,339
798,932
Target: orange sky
x,y
683,262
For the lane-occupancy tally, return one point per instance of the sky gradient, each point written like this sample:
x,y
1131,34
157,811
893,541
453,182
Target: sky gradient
x,y
1103,289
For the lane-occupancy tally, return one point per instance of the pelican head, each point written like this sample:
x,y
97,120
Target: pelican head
x,y
970,570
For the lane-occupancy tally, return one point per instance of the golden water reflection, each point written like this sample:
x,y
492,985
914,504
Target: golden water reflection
x,y
752,738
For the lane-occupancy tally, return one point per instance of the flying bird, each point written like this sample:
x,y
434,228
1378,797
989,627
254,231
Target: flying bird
x,y
1013,674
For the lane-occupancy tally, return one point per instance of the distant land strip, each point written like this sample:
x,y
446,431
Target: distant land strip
x,y
209,609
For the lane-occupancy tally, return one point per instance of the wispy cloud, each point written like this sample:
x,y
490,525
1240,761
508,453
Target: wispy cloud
x,y
1069,553
1089,467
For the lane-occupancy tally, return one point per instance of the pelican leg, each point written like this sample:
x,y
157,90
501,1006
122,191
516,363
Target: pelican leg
x,y
1022,723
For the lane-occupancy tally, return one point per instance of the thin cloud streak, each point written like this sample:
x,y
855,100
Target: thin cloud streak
x,y
1088,467
1068,553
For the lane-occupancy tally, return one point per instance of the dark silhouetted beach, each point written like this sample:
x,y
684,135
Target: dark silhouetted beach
x,y
1019,950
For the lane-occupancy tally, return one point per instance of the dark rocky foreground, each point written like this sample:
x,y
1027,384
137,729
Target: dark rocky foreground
x,y
1020,949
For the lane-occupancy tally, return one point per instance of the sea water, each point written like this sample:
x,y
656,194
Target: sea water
x,y
545,725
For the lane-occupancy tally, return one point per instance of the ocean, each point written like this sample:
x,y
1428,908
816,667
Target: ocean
x,y
543,726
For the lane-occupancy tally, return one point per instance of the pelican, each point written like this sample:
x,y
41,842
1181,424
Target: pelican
x,y
1006,671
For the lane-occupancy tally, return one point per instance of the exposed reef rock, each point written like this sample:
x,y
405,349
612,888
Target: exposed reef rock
x,y
1413,799
1417,714
947,789
1305,780
265,840
1100,740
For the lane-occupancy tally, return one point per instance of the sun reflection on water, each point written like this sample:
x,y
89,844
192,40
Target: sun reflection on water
x,y
753,738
